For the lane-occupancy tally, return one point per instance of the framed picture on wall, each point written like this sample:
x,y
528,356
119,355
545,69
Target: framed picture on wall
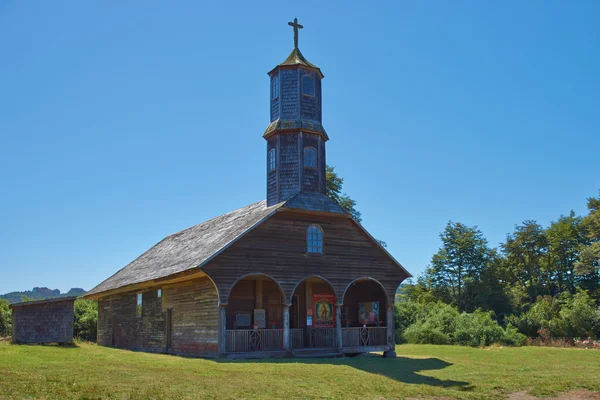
x,y
242,320
259,318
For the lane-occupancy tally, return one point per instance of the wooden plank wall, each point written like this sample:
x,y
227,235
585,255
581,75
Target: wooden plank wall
x,y
195,312
50,322
277,248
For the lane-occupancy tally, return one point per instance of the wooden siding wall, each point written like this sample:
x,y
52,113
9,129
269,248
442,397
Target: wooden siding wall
x,y
50,322
310,106
272,176
277,249
311,176
195,312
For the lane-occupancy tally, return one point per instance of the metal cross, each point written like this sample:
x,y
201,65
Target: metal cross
x,y
296,26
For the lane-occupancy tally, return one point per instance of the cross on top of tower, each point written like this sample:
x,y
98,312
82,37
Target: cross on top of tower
x,y
296,26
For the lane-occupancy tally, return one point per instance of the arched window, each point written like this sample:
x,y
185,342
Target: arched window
x,y
310,157
308,85
314,239
275,88
272,162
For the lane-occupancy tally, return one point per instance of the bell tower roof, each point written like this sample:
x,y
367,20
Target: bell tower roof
x,y
297,58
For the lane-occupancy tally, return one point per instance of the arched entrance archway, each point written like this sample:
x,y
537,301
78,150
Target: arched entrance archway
x,y
313,314
254,315
364,314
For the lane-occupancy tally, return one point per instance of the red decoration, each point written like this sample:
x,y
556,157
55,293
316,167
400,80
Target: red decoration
x,y
323,310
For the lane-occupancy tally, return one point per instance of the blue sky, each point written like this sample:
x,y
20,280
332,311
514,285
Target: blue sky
x,y
123,122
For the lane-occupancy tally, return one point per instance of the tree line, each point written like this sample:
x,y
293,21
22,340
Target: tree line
x,y
540,280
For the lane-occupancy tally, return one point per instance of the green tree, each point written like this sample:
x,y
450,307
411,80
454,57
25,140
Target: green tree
x,y
525,263
488,291
579,314
5,318
566,237
588,266
333,190
461,261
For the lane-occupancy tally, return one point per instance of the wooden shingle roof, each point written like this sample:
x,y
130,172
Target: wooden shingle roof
x,y
195,246
297,58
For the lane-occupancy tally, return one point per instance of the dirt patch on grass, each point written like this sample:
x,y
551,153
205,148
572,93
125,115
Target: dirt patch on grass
x,y
572,395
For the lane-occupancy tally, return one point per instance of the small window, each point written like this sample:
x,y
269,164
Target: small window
x,y
308,86
272,160
159,293
310,157
314,239
275,88
139,304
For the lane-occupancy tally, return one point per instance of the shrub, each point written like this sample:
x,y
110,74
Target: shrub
x,y
477,329
542,314
442,316
425,333
5,318
439,323
568,316
405,314
579,315
512,337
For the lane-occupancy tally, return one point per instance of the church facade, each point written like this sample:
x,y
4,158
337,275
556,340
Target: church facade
x,y
292,275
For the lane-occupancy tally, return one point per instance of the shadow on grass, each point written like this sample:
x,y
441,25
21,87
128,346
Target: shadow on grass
x,y
60,345
401,369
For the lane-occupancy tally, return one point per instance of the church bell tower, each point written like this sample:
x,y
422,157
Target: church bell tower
x,y
295,137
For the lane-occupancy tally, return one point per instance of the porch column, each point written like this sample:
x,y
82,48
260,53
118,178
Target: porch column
x,y
338,325
286,327
391,335
222,329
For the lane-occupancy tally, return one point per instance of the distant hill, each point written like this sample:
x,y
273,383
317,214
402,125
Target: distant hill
x,y
39,293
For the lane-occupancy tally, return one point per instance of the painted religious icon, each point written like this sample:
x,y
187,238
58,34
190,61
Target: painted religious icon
x,y
324,311
368,312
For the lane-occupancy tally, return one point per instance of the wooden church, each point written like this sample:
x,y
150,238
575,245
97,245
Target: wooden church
x,y
291,275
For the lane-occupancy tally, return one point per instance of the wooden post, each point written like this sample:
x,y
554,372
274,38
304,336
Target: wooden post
x,y
308,293
391,335
286,327
222,329
259,294
338,325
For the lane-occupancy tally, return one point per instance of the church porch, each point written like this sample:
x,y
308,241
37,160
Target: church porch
x,y
254,317
258,323
364,316
312,316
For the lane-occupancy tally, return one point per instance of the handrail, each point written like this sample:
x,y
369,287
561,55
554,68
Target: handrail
x,y
249,340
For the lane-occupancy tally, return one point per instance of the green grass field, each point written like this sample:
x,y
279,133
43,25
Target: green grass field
x,y
88,371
